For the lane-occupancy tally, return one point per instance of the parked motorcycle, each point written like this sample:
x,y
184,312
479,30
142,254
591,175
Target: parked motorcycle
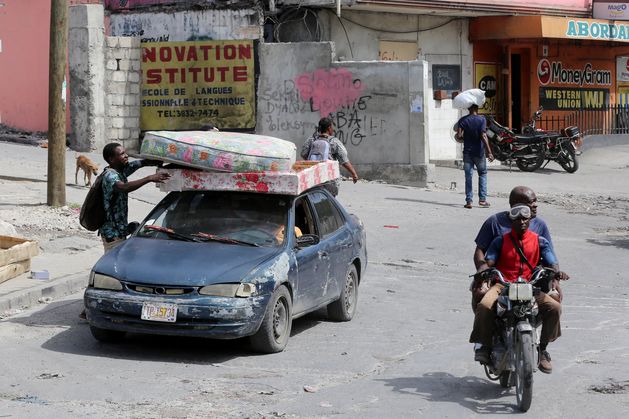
x,y
561,146
515,344
534,146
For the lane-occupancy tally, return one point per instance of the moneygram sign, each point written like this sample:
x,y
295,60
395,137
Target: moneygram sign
x,y
555,73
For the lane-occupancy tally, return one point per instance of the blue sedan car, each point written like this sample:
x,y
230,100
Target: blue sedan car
x,y
227,264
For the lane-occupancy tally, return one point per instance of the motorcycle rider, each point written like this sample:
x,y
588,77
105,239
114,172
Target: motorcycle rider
x,y
499,224
503,253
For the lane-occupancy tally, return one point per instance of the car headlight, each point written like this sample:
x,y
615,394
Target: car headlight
x,y
229,290
104,282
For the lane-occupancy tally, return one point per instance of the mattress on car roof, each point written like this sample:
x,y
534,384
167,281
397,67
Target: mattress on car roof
x,y
221,151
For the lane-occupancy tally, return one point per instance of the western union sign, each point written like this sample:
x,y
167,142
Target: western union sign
x,y
565,98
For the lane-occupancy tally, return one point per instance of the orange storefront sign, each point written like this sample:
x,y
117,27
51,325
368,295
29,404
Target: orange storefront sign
x,y
521,27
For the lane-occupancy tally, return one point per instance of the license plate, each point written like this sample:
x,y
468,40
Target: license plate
x,y
159,312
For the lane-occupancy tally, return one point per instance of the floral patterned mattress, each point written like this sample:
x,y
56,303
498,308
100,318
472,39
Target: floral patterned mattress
x,y
304,175
219,151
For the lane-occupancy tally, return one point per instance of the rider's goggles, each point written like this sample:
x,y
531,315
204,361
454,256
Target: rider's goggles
x,y
519,211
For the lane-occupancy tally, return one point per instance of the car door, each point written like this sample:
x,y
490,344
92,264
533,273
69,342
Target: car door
x,y
334,246
310,269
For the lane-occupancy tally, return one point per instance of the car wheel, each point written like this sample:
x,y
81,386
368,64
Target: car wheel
x,y
343,309
275,329
105,335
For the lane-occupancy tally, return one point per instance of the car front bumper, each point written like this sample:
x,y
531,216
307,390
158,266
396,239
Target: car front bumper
x,y
197,315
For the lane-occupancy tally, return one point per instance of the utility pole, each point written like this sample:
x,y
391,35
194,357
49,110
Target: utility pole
x,y
56,104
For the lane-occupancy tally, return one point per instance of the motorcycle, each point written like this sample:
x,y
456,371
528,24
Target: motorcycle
x,y
534,146
560,146
515,343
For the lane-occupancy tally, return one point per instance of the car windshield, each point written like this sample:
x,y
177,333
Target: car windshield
x,y
229,217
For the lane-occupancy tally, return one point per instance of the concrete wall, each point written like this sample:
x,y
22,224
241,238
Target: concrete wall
x,y
188,25
440,40
378,107
105,83
122,91
86,38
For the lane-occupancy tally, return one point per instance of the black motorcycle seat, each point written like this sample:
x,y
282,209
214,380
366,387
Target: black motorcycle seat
x,y
529,138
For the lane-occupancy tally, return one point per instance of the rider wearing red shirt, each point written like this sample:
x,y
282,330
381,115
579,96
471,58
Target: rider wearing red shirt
x,y
502,254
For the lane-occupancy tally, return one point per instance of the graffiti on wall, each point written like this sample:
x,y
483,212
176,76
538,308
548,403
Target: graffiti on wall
x,y
201,25
283,108
328,89
354,123
294,105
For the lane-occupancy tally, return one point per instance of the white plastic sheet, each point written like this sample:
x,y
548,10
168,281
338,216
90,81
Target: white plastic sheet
x,y
468,98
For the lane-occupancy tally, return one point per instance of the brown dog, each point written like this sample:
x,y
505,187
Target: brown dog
x,y
88,167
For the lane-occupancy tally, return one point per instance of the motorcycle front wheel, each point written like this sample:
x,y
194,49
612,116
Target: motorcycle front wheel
x,y
524,371
568,160
530,164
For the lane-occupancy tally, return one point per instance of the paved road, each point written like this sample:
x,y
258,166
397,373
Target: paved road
x,y
404,355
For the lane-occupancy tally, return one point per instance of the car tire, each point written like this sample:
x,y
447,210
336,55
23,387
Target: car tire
x,y
275,329
343,309
106,335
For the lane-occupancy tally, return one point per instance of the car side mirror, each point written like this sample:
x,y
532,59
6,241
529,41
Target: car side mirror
x,y
307,240
132,227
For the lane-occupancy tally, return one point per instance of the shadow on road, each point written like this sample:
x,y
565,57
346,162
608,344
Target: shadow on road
x,y
476,394
423,201
77,339
621,243
22,179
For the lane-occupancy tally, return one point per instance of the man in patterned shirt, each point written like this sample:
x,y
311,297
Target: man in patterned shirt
x,y
337,150
116,190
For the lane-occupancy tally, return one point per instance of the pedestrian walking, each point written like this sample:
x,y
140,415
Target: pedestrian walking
x,y
324,145
472,129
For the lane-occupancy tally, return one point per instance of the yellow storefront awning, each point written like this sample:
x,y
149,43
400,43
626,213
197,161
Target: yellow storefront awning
x,y
531,27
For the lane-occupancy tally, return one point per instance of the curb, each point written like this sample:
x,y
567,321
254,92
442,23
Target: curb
x,y
27,298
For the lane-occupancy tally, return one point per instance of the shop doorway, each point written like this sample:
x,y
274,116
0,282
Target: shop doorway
x,y
516,92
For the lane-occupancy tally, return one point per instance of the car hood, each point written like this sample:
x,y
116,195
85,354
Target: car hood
x,y
180,263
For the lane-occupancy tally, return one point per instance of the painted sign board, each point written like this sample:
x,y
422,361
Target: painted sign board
x,y
134,4
622,94
567,98
549,27
622,69
397,51
486,79
558,72
186,85
446,77
610,10
566,85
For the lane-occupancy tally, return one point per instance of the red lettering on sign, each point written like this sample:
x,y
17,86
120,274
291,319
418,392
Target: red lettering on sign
x,y
154,76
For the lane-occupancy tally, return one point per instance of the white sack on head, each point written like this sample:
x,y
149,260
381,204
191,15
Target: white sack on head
x,y
468,98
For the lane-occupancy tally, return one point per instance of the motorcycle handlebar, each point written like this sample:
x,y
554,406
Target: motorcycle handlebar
x,y
539,273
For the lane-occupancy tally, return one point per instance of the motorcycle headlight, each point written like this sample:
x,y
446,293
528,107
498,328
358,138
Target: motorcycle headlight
x,y
229,290
104,282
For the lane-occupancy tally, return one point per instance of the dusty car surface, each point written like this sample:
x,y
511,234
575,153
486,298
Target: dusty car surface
x,y
219,264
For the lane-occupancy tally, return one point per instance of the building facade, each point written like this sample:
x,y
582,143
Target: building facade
x,y
24,48
563,64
